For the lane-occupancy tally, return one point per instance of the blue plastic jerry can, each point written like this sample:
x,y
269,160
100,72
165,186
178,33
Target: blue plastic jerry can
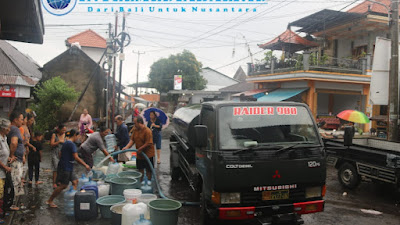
x,y
142,221
146,185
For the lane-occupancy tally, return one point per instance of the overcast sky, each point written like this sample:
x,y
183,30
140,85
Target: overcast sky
x,y
212,37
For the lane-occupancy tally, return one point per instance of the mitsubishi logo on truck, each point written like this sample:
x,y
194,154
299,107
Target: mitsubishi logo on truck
x,y
276,187
276,175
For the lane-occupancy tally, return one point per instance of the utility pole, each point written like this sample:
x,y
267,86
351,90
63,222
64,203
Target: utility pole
x,y
121,61
394,74
114,71
137,74
109,62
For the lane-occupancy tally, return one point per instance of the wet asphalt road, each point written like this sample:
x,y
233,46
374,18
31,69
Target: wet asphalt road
x,y
339,209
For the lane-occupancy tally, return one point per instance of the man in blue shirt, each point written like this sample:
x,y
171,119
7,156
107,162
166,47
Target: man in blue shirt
x,y
122,134
17,153
66,165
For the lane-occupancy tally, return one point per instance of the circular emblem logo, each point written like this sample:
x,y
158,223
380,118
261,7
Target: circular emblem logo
x,y
59,7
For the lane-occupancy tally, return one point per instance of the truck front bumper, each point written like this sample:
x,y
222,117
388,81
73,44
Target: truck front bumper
x,y
245,213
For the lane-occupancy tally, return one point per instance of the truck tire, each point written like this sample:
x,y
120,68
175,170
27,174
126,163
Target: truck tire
x,y
204,216
348,176
176,173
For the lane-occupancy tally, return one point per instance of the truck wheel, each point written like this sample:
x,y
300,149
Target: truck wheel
x,y
348,176
205,217
176,173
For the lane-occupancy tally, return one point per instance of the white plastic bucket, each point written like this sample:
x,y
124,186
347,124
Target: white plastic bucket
x,y
104,189
132,195
146,198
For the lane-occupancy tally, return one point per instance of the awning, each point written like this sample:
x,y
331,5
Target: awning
x,y
281,94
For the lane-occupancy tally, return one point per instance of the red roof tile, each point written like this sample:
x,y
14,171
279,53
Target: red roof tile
x,y
376,8
151,97
288,37
88,38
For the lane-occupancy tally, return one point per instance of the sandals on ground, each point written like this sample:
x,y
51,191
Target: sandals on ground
x,y
14,208
51,205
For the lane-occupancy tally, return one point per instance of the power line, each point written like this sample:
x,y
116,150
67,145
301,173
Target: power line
x,y
286,38
188,42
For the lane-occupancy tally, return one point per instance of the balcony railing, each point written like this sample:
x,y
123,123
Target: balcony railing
x,y
306,63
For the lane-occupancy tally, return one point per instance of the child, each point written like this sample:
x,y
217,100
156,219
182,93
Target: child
x,y
66,166
35,157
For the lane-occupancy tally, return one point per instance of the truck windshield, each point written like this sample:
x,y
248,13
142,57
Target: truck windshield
x,y
265,125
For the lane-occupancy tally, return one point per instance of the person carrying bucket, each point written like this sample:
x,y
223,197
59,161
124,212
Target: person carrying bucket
x,y
65,166
143,138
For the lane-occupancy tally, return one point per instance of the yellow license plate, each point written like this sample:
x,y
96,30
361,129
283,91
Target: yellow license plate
x,y
275,195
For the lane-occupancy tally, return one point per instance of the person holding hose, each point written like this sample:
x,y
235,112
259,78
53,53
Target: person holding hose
x,y
143,138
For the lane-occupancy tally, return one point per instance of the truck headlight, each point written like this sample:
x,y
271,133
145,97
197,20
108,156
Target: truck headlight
x,y
313,192
230,198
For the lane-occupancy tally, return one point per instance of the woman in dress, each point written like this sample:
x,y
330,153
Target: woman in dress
x,y
155,125
56,142
85,122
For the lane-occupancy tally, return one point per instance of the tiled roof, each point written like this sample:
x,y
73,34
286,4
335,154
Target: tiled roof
x,y
240,75
151,97
88,38
216,80
373,7
288,37
250,92
239,87
16,68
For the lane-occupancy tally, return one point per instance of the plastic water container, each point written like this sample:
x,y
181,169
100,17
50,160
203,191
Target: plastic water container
x,y
164,211
91,182
82,181
131,213
146,199
69,201
106,202
113,168
118,185
132,195
93,188
111,142
142,221
146,185
85,207
98,175
116,213
104,190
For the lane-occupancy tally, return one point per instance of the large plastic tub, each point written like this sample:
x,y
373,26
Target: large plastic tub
x,y
130,174
106,202
116,213
164,211
118,185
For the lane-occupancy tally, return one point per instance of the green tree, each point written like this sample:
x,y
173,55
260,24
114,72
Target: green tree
x,y
162,72
50,96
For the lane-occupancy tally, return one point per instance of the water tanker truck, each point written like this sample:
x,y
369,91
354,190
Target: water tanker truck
x,y
252,162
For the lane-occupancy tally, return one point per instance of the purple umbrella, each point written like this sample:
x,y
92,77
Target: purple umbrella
x,y
164,119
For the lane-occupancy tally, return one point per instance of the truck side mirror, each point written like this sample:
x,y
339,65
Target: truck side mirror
x,y
201,135
348,136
